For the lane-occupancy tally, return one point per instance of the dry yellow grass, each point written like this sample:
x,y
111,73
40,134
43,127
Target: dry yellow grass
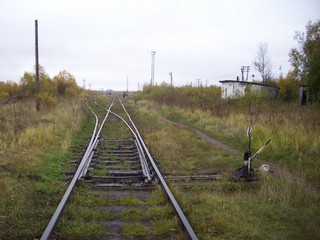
x,y
33,147
277,207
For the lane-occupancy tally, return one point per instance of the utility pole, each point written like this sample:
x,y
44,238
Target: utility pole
x,y
170,73
127,84
153,53
37,68
243,70
84,84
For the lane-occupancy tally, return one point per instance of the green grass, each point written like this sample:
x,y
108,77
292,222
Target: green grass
x,y
163,227
268,211
130,201
35,147
294,132
189,154
81,230
134,230
83,217
157,199
273,208
85,214
31,160
32,181
160,212
132,214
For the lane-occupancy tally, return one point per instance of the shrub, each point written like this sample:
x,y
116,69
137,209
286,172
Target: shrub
x,y
47,100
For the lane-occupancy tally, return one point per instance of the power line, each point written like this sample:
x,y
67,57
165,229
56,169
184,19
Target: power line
x,y
245,69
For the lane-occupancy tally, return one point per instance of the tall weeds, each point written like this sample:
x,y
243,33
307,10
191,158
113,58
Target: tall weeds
x,y
33,148
275,207
294,130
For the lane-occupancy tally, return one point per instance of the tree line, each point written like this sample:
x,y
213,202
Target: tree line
x,y
305,61
62,85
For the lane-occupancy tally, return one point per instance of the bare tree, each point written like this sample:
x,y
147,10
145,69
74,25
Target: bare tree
x,y
262,62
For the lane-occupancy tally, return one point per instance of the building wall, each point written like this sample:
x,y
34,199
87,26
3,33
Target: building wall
x,y
233,89
238,88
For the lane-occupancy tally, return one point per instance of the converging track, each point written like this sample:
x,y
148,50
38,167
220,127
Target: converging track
x,y
117,164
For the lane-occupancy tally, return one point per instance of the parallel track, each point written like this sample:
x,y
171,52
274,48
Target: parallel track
x,y
120,162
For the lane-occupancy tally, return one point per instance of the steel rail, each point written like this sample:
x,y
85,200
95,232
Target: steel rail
x,y
143,161
94,144
145,168
174,202
55,217
144,164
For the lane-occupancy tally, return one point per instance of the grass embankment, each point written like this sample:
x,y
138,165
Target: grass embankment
x,y
34,149
270,209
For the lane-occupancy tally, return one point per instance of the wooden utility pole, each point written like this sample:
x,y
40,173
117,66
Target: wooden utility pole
x,y
37,69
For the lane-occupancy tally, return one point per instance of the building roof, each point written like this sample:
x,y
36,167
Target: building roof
x,y
249,83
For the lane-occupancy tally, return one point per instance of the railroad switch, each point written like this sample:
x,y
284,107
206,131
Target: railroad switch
x,y
245,173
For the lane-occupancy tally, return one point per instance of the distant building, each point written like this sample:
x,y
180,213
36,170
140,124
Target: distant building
x,y
233,88
109,92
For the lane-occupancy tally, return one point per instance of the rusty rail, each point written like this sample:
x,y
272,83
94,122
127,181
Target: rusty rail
x,y
79,173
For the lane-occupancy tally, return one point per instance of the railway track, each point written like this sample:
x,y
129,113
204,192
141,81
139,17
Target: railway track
x,y
117,167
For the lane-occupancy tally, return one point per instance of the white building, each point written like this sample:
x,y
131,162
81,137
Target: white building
x,y
233,88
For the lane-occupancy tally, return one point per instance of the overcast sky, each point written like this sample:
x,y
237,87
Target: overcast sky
x,y
103,42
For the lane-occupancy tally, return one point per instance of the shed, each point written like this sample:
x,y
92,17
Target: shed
x,y
233,88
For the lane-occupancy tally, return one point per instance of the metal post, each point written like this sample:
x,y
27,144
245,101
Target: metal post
x,y
153,53
127,84
37,67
